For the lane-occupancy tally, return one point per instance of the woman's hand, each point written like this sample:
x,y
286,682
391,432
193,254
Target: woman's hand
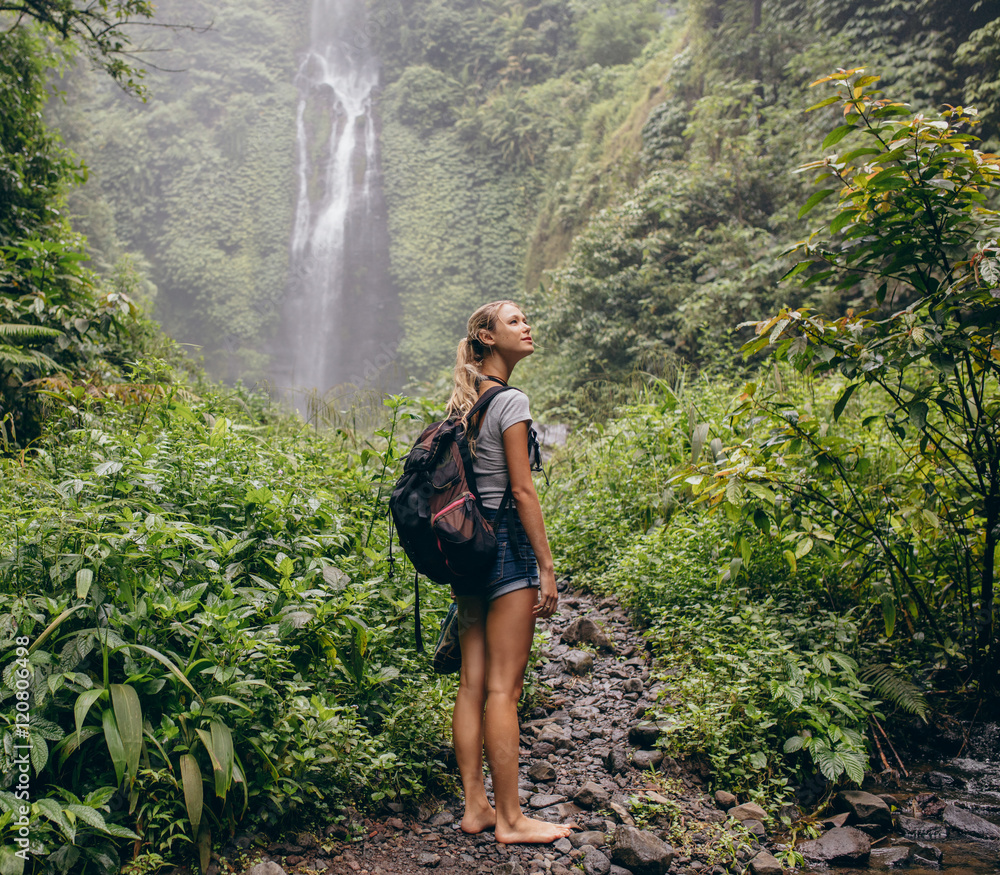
x,y
548,595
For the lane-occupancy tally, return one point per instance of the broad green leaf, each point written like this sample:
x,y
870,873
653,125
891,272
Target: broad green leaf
x,y
204,844
128,717
114,741
843,219
83,704
10,863
88,815
793,744
859,153
836,135
222,741
53,811
119,831
917,411
72,742
790,559
55,624
822,103
845,396
228,700
173,669
814,199
889,613
698,437
795,271
206,739
84,578
193,791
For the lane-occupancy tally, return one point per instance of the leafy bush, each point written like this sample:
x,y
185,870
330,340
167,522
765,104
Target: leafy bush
x,y
215,633
910,496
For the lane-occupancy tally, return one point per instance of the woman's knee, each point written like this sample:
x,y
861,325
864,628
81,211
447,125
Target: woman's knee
x,y
501,692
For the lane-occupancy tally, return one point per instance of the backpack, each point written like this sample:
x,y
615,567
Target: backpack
x,y
437,510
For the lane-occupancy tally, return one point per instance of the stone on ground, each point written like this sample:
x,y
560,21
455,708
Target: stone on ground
x,y
765,864
591,795
864,807
585,631
914,828
927,856
725,800
589,837
641,851
616,761
755,827
747,811
643,734
542,772
268,868
578,662
594,862
969,823
840,845
646,759
889,858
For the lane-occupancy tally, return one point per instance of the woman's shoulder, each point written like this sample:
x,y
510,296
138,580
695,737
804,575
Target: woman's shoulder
x,y
509,407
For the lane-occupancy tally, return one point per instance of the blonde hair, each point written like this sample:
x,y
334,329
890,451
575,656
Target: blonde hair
x,y
472,352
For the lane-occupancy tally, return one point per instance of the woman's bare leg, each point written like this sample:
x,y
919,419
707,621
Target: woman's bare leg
x,y
467,719
510,625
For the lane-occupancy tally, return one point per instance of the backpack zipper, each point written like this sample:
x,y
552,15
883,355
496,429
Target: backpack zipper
x,y
464,497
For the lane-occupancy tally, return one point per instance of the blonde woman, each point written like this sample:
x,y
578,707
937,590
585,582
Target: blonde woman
x,y
498,619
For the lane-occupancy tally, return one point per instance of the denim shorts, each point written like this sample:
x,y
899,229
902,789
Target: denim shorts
x,y
509,573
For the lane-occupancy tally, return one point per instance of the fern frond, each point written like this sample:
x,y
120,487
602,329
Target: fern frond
x,y
855,764
23,331
15,357
888,684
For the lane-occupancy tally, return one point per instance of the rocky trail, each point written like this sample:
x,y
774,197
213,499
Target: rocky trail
x,y
588,758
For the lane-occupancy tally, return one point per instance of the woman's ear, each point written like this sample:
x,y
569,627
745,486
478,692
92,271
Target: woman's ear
x,y
486,339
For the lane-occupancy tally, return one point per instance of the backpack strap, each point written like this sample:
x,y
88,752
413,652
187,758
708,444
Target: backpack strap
x,y
416,612
485,399
479,406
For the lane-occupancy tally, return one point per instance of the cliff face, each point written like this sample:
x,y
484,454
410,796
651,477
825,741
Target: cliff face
x,y
199,181
505,130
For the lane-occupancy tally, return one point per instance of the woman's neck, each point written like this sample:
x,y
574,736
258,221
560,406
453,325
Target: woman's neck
x,y
497,369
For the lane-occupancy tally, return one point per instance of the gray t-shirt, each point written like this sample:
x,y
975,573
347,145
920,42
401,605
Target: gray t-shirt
x,y
490,463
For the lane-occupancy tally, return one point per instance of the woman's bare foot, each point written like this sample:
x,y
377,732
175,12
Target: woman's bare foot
x,y
527,831
476,821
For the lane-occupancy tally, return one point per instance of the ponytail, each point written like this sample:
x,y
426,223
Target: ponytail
x,y
472,352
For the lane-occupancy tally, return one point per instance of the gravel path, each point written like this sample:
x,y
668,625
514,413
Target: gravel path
x,y
583,758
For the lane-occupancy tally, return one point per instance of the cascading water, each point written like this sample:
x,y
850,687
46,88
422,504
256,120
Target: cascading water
x,y
340,315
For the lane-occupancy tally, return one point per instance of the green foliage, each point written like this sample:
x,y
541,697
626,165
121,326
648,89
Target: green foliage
x,y
215,633
98,28
693,232
52,315
910,495
200,181
446,268
759,672
614,33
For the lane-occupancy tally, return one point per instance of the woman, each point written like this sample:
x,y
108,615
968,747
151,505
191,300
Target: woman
x,y
497,623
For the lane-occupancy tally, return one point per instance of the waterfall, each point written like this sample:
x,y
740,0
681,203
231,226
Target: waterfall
x,y
340,314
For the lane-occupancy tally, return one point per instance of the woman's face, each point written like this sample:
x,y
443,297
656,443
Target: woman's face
x,y
511,334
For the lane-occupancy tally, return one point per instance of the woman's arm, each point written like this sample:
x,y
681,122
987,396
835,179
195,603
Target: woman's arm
x,y
522,487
